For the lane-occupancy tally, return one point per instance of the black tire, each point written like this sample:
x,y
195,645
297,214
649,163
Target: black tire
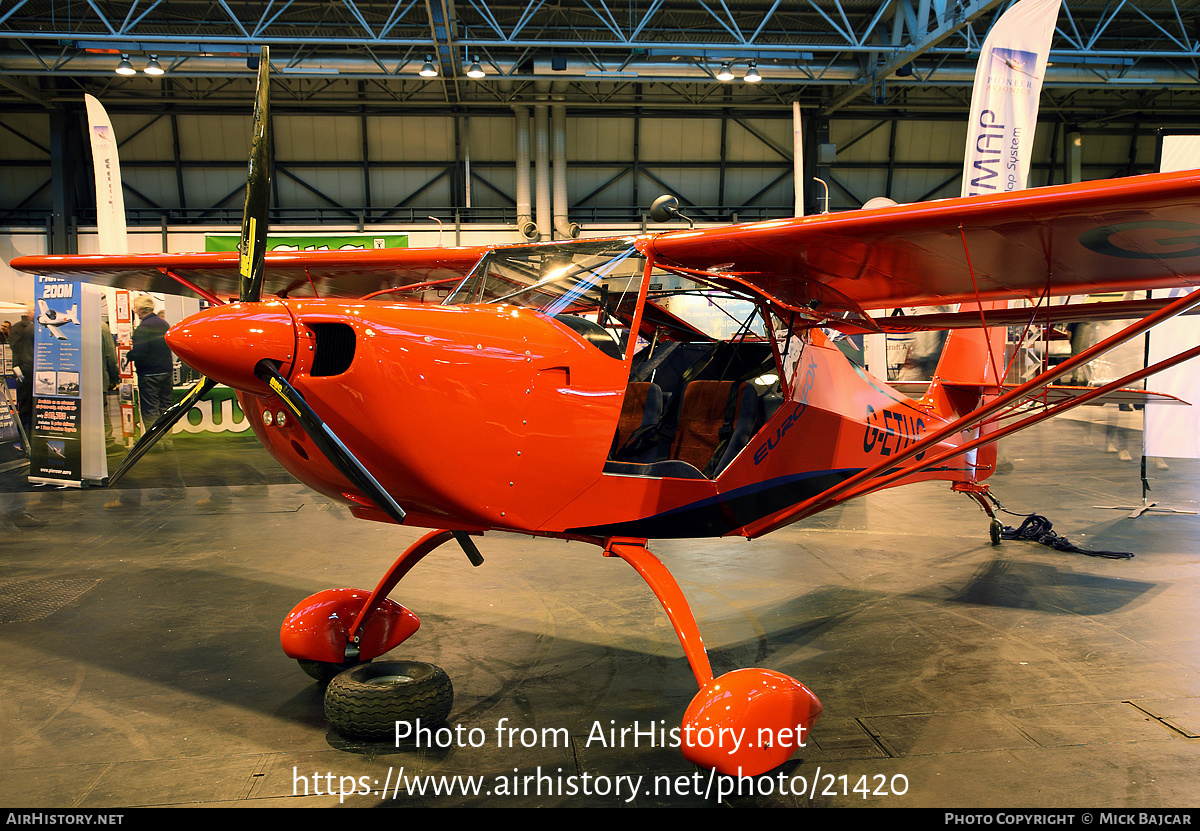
x,y
324,671
366,701
995,531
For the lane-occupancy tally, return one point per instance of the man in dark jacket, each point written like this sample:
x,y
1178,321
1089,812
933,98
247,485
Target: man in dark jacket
x,y
152,358
20,336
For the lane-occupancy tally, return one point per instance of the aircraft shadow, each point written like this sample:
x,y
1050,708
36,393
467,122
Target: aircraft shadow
x,y
1042,587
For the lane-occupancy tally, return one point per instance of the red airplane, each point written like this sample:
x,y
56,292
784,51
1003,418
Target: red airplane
x,y
567,379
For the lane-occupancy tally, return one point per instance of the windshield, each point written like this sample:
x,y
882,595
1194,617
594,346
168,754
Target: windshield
x,y
554,278
590,287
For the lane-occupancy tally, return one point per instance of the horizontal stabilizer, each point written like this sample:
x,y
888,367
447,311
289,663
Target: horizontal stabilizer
x,y
1056,393
969,317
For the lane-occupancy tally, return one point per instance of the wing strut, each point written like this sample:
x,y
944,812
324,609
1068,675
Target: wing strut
x,y
188,284
979,301
870,478
1028,421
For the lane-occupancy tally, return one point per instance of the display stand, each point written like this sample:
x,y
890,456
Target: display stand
x,y
14,444
1147,506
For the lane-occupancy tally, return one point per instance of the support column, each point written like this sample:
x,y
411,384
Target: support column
x,y
64,170
562,224
541,139
1073,155
525,224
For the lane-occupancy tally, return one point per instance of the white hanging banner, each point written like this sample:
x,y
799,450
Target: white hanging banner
x,y
1004,105
112,238
1179,153
1175,431
110,200
1004,102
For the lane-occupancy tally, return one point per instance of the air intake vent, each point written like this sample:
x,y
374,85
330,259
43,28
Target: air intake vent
x,y
335,348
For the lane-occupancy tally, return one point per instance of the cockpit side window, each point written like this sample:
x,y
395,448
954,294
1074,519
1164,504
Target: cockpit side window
x,y
705,384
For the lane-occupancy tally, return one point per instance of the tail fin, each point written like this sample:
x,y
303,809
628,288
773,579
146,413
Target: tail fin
x,y
972,365
970,370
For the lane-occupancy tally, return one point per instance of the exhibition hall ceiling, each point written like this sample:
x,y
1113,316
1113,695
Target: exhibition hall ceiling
x,y
862,56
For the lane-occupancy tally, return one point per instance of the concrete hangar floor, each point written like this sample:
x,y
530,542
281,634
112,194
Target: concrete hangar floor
x,y
142,663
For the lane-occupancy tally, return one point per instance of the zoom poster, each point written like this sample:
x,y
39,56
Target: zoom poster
x,y
66,384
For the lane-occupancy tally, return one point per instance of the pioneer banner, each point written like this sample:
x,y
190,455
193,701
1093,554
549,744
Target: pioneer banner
x,y
110,199
1004,101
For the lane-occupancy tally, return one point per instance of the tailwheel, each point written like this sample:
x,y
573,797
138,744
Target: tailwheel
x,y
987,503
367,701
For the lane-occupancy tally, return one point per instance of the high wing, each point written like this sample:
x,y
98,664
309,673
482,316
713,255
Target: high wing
x,y
1126,234
346,273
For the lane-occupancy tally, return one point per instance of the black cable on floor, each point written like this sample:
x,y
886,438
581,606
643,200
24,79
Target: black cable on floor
x,y
1037,528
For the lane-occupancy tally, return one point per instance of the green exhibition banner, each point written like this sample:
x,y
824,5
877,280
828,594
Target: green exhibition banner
x,y
219,410
311,242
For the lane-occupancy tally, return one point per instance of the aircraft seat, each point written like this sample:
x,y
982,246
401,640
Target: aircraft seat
x,y
701,416
743,423
641,412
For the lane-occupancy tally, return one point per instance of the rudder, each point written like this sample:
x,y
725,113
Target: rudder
x,y
969,372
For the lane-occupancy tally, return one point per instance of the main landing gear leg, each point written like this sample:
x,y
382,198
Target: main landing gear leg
x,y
743,723
982,495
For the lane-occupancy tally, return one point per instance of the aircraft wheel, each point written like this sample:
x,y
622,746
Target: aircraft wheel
x,y
996,529
772,714
324,671
366,701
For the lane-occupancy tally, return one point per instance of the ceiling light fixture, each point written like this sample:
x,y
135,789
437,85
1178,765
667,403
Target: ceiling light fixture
x,y
475,70
125,67
725,73
429,70
154,67
752,76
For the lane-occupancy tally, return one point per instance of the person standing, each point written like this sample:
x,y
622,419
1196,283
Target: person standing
x,y
20,336
152,359
112,374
